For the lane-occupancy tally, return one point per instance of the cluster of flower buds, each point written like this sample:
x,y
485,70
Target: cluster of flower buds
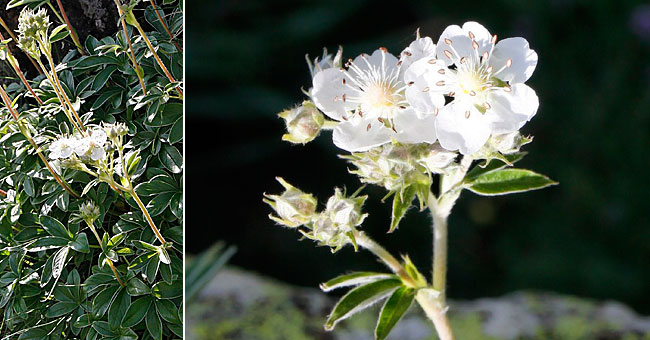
x,y
89,212
32,28
303,123
333,227
89,148
116,132
394,166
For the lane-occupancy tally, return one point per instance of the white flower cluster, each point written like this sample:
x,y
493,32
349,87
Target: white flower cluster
x,y
92,147
459,91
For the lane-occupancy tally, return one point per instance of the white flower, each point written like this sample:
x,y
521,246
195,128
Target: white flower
x,y
325,62
369,100
62,148
92,147
483,78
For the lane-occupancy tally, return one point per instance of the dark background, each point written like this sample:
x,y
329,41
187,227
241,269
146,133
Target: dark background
x,y
589,236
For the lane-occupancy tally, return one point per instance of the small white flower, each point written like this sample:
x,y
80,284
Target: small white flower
x,y
368,99
62,148
485,81
92,147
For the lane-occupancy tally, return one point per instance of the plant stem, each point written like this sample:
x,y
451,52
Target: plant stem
x,y
13,37
58,95
65,96
162,22
147,216
136,67
14,114
110,263
75,38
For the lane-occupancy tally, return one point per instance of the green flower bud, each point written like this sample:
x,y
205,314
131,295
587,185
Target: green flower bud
x,y
509,142
294,207
304,123
32,27
336,225
89,212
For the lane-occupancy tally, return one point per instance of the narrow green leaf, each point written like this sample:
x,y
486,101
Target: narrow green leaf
x,y
102,77
394,309
401,203
507,181
136,287
118,308
136,311
80,243
171,158
58,33
170,113
360,298
154,324
168,311
60,308
55,228
353,279
493,165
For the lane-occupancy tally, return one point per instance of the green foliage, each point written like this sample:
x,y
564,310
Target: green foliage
x,y
56,277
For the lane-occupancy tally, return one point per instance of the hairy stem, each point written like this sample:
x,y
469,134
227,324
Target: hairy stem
x,y
64,95
162,22
58,96
147,216
136,66
110,263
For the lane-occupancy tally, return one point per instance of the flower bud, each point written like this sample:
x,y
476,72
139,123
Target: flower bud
x,y
325,62
509,142
32,26
89,212
294,207
336,225
303,123
437,159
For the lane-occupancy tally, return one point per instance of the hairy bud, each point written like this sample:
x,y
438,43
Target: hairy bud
x,y
303,123
293,207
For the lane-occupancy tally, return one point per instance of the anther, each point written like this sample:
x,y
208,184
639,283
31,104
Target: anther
x,y
410,83
508,62
343,97
383,49
467,114
471,35
447,53
343,81
489,69
494,39
402,107
462,60
368,127
336,98
475,45
399,63
407,53
435,111
452,93
426,89
381,120
447,41
471,93
441,71
432,61
440,83
485,55
487,105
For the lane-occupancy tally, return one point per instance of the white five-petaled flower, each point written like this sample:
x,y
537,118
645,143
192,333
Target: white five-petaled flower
x,y
368,99
485,81
62,148
92,146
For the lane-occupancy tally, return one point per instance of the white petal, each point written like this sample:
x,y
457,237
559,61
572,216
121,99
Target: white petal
x,y
328,92
361,135
481,35
413,128
456,132
99,136
524,60
378,59
97,153
513,109
427,85
66,152
418,49
461,45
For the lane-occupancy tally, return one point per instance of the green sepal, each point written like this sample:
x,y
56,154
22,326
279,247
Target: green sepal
x,y
393,311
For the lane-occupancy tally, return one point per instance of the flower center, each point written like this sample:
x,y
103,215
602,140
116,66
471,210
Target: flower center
x,y
378,96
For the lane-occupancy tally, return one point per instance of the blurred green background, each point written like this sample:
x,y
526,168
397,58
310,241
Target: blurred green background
x,y
589,236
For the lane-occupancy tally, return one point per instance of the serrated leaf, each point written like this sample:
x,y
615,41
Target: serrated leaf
x,y
393,310
401,202
360,298
354,279
508,181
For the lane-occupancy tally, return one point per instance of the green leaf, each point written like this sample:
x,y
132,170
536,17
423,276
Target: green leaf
x,y
60,308
394,309
103,328
55,228
102,77
159,203
401,203
118,308
93,61
136,287
171,158
58,33
137,311
354,279
170,114
360,298
493,165
59,262
163,290
28,185
102,301
507,181
80,243
47,242
168,311
154,324
176,132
